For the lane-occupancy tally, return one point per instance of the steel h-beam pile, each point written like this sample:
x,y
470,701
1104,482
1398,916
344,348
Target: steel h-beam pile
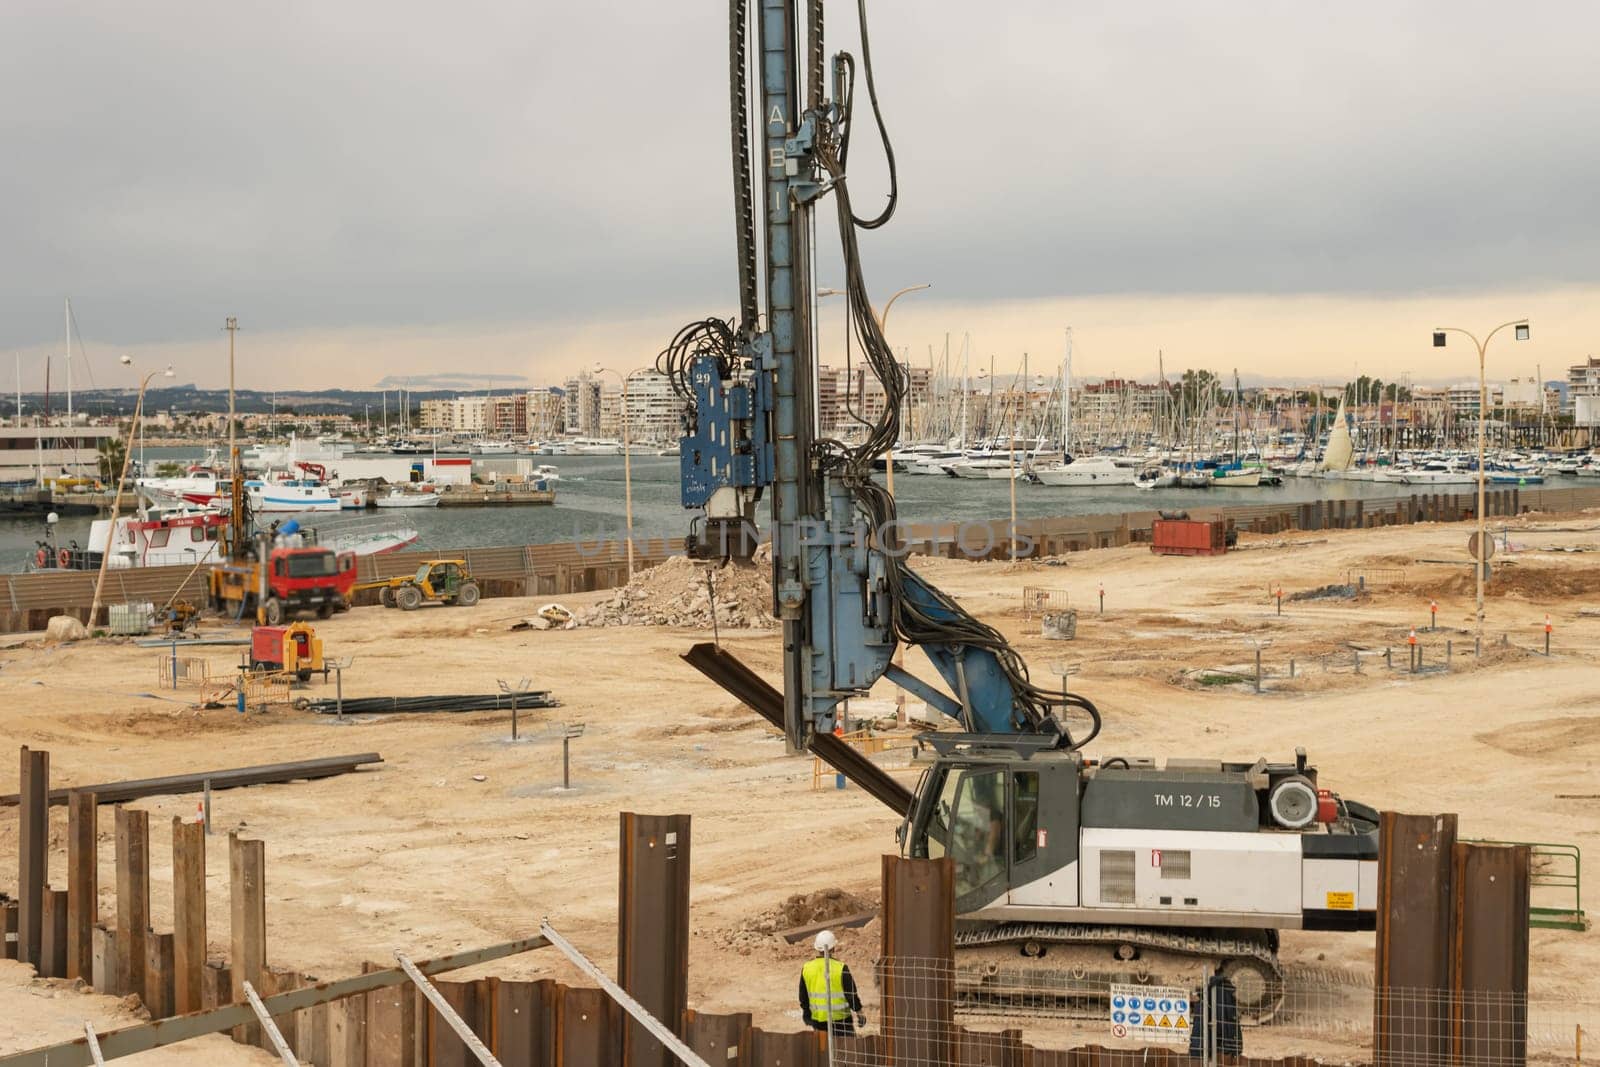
x,y
537,698
229,778
1452,961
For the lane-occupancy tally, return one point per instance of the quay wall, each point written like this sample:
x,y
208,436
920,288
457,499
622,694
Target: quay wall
x,y
27,601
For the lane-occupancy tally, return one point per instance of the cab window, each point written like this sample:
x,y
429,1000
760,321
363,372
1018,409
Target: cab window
x,y
939,820
977,832
1024,816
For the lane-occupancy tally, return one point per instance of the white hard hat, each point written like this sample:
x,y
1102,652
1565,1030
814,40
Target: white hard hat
x,y
826,942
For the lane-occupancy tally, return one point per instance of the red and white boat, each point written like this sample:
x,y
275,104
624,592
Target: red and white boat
x,y
186,536
200,486
161,537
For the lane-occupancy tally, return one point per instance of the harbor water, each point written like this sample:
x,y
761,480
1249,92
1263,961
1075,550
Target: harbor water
x,y
590,505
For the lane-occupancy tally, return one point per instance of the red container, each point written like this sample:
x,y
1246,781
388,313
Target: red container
x,y
1188,537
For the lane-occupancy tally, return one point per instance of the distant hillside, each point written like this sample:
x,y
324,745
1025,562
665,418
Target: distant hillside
x,y
189,399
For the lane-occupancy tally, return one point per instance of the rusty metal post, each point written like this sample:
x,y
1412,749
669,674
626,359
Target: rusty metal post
x,y
247,894
83,883
918,961
1415,888
32,841
188,914
133,899
1489,954
653,929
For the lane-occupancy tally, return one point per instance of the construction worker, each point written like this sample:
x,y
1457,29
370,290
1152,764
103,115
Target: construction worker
x,y
828,995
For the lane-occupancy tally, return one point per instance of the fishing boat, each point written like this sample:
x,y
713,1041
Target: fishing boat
x,y
493,448
352,498
292,495
405,498
199,485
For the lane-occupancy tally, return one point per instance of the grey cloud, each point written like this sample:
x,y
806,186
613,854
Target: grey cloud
x,y
311,165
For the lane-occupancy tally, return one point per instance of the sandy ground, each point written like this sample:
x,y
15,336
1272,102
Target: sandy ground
x,y
423,856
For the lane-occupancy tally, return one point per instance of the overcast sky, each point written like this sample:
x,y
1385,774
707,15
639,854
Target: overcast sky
x,y
398,187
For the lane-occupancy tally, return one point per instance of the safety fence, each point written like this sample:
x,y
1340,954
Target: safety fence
x,y
178,671
999,1014
1038,600
892,754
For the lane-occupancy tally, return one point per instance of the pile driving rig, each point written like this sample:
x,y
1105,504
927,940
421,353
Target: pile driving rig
x,y
1118,867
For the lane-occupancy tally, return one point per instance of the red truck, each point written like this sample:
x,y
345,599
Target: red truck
x,y
294,580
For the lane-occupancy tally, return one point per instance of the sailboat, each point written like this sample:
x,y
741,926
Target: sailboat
x,y
1340,452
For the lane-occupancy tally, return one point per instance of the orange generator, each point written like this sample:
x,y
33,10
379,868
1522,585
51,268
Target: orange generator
x,y
1189,537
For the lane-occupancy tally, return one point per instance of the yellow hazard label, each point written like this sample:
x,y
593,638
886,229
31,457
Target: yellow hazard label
x,y
1149,1020
1342,901
1166,1020
1183,1024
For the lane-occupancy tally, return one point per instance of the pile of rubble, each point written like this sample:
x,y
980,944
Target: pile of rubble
x,y
681,592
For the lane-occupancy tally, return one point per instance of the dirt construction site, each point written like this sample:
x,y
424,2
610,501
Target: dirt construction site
x,y
462,837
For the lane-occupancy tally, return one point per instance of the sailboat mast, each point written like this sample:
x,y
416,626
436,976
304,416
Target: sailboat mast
x,y
1066,399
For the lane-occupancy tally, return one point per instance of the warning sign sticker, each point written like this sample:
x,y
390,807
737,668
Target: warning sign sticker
x,y
1150,1013
1342,901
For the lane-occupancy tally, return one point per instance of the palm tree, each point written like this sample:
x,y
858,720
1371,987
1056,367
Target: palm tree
x,y
112,453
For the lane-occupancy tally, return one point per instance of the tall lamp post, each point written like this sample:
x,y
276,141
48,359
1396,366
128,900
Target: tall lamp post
x,y
1481,554
116,500
627,455
888,458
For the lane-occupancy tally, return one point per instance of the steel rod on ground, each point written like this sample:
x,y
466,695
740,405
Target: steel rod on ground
x,y
684,1053
271,1028
446,1012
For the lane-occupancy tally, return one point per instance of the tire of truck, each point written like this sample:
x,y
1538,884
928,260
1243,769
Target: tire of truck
x,y
386,597
304,676
408,598
325,610
467,595
272,611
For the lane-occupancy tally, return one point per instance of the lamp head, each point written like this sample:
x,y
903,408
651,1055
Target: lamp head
x,y
1438,338
125,359
1522,331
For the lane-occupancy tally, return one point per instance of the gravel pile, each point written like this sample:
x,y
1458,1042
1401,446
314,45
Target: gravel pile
x,y
676,593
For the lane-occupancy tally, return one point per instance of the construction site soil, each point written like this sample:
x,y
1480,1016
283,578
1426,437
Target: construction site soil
x,y
463,838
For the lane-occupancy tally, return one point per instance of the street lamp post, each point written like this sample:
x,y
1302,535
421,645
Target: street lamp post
x,y
883,328
888,459
116,500
1481,553
627,456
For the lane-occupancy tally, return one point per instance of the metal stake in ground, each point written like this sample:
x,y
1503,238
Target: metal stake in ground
x,y
572,729
514,690
339,666
1547,635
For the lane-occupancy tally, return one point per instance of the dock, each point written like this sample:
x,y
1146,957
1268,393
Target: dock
x,y
482,497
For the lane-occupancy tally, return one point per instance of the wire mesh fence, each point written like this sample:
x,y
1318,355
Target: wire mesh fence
x,y
932,1012
1038,600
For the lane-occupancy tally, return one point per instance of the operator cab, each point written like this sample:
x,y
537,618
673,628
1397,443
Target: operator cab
x,y
1038,833
1005,816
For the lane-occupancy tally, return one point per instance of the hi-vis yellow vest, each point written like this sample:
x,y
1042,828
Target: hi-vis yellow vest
x,y
824,980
